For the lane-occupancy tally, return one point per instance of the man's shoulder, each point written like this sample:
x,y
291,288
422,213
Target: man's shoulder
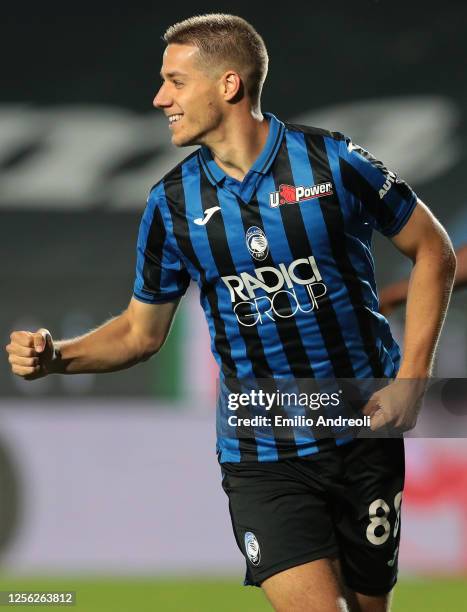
x,y
310,130
173,176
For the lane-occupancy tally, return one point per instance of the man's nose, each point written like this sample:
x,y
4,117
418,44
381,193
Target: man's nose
x,y
162,99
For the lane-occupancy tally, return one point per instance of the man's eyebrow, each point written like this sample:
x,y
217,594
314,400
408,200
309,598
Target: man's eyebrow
x,y
173,73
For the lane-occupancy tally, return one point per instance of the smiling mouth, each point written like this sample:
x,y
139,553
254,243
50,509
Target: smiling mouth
x,y
174,119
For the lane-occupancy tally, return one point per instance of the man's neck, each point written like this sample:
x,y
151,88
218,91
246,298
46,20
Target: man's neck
x,y
238,143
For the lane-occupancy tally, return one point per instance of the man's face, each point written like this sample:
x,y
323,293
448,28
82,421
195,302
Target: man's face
x,y
190,98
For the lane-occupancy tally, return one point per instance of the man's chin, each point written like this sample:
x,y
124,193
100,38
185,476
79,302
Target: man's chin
x,y
179,141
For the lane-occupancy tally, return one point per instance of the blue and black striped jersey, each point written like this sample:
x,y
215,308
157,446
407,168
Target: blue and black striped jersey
x,y
282,260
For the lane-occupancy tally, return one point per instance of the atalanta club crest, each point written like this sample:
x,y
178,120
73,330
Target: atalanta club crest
x,y
252,548
257,243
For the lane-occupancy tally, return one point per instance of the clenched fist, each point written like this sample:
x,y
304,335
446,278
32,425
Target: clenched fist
x,y
31,354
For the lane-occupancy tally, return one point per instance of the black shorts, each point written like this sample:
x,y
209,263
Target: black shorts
x,y
341,503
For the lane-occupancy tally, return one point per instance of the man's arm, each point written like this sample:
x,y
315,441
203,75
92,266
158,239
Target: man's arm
x,y
125,340
395,294
426,243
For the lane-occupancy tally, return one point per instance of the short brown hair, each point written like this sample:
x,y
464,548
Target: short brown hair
x,y
226,41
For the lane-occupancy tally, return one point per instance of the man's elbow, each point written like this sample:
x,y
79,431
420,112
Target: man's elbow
x,y
144,336
444,267
449,260
147,355
141,345
150,347
439,250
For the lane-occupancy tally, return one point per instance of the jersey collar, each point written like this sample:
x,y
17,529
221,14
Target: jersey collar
x,y
261,165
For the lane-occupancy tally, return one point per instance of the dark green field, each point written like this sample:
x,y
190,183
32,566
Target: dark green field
x,y
223,595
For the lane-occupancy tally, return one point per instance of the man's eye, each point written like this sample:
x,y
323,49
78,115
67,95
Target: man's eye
x,y
178,83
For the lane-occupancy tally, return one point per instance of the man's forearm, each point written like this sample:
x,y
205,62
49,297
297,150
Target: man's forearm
x,y
428,296
108,348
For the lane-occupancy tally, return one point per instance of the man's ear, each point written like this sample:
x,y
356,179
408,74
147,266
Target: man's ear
x,y
231,85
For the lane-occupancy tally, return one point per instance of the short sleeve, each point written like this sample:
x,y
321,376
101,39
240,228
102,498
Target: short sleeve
x,y
386,200
161,275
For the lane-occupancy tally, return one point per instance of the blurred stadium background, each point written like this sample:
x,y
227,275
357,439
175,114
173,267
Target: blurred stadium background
x,y
110,485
